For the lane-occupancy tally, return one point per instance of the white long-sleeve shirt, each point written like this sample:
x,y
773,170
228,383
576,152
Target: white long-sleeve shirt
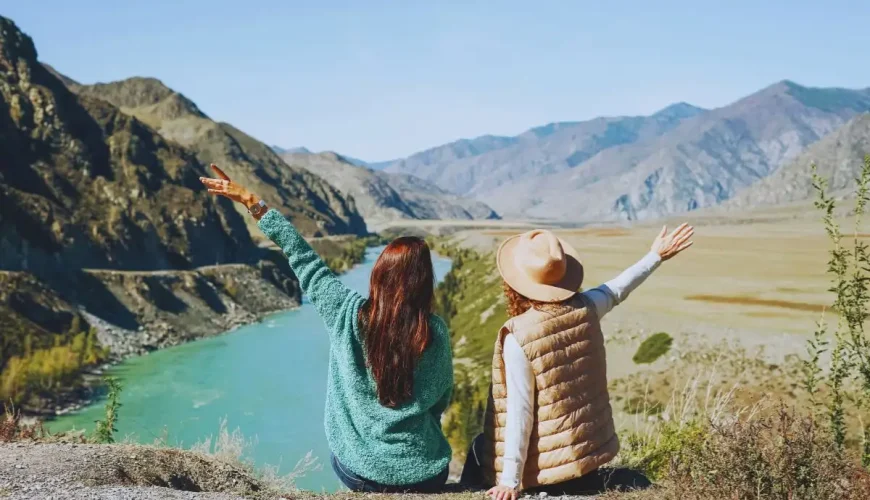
x,y
520,378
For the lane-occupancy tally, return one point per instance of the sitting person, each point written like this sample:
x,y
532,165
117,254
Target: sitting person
x,y
390,362
549,426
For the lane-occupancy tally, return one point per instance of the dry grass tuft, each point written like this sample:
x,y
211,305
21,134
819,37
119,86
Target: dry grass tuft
x,y
231,447
13,429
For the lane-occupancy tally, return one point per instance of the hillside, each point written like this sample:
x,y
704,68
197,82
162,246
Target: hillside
x,y
703,162
383,197
837,157
313,205
478,166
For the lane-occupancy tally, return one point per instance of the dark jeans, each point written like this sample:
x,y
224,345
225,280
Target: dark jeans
x,y
592,483
361,484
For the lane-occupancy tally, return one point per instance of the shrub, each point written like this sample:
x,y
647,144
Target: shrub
x,y
653,348
105,429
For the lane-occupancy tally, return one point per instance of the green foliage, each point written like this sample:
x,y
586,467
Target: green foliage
x,y
105,429
43,372
654,454
849,267
654,347
469,298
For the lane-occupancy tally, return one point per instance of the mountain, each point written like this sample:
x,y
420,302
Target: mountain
x,y
383,197
314,206
478,166
838,157
702,162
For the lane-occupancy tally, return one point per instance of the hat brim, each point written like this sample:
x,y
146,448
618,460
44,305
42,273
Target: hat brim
x,y
518,280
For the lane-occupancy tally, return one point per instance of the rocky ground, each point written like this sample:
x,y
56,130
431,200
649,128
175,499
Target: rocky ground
x,y
79,471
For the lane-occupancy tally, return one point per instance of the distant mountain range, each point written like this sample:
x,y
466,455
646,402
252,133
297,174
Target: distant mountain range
x,y
625,168
477,166
383,197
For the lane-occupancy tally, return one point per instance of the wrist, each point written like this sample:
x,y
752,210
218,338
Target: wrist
x,y
249,200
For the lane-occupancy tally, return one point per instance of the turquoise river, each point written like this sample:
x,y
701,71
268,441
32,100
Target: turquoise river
x,y
267,379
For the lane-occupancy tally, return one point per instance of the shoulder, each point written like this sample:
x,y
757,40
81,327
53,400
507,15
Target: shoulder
x,y
438,325
439,332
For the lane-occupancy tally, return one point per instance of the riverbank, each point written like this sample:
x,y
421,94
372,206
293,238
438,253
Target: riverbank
x,y
133,313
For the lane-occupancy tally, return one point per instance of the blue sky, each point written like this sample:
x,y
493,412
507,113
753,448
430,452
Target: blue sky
x,y
379,80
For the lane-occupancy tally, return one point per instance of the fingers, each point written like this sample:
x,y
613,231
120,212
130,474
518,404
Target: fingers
x,y
664,231
214,183
220,173
684,246
684,236
682,227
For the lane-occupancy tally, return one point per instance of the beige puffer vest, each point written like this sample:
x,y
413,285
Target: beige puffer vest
x,y
573,432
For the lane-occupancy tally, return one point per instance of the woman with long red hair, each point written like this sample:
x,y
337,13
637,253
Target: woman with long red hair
x,y
390,365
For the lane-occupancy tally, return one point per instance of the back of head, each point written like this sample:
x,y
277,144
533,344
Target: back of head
x,y
396,317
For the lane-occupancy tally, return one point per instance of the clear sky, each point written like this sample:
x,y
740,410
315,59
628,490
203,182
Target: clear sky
x,y
379,80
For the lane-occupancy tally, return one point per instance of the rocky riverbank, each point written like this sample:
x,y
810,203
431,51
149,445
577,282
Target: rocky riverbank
x,y
136,312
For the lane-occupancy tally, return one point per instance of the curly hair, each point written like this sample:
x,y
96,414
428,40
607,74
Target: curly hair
x,y
518,303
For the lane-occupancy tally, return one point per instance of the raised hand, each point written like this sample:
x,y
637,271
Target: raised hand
x,y
224,186
668,245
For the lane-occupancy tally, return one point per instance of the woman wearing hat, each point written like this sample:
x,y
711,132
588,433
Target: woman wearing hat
x,y
548,425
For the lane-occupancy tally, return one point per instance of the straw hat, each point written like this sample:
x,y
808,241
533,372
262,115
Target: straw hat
x,y
540,266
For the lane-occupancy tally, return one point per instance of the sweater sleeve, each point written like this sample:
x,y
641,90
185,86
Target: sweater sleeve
x,y
318,282
520,416
612,293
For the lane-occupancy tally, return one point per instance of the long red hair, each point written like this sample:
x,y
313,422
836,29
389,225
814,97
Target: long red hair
x,y
395,318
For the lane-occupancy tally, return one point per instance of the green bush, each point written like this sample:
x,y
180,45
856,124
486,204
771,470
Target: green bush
x,y
653,348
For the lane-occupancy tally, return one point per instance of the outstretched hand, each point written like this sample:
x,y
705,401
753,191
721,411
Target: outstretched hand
x,y
224,186
668,245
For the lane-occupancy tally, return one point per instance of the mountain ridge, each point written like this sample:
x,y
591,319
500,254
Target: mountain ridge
x,y
476,166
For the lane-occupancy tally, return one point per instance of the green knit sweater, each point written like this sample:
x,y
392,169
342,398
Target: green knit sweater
x,y
391,446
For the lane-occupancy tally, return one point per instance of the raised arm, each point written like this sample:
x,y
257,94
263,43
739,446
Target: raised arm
x,y
318,282
665,246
